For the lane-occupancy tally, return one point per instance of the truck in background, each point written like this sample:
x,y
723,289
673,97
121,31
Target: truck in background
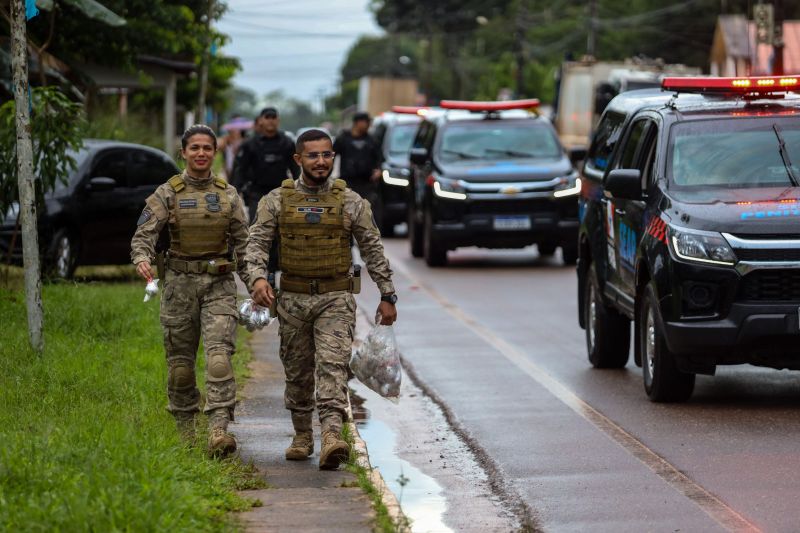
x,y
585,88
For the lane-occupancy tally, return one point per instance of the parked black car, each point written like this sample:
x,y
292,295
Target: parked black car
x,y
394,131
691,229
90,219
490,174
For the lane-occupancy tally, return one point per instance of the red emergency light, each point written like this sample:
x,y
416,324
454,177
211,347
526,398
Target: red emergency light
x,y
467,105
744,85
408,109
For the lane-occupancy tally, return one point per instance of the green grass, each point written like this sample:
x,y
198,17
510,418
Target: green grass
x,y
86,443
383,521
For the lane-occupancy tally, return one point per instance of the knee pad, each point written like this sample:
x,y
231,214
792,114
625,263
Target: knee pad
x,y
219,367
181,376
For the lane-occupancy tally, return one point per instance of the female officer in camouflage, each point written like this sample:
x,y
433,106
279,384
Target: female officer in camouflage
x,y
316,217
208,233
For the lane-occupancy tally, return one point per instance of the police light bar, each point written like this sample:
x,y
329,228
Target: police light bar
x,y
490,106
743,85
408,109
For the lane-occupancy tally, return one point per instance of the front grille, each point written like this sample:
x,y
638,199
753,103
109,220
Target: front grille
x,y
770,286
767,254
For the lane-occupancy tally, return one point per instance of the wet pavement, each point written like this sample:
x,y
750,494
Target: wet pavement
x,y
493,339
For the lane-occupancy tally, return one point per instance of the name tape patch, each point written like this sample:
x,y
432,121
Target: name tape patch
x,y
318,210
187,203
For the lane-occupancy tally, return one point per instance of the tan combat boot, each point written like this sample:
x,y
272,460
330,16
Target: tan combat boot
x,y
220,443
302,447
334,452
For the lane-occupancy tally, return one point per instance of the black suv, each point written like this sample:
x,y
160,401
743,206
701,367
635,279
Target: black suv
x,y
490,174
90,219
394,131
690,228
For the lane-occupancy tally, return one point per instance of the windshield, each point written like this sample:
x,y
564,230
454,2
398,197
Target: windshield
x,y
735,153
495,139
400,138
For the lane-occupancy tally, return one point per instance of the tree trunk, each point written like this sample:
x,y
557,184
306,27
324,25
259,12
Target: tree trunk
x,y
25,178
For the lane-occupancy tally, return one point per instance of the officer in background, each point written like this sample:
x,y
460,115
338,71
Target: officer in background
x,y
360,160
316,217
264,160
208,233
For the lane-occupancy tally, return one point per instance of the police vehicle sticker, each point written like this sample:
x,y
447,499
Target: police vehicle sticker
x,y
187,203
318,210
627,246
144,217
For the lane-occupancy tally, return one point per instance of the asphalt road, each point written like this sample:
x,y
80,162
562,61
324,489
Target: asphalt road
x,y
494,338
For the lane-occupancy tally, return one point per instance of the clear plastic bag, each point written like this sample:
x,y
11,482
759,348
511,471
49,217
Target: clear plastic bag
x,y
376,363
151,289
252,316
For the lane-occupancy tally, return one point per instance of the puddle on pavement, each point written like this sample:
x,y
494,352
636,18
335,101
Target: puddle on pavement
x,y
421,497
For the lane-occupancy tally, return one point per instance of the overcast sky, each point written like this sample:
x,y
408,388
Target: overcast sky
x,y
294,45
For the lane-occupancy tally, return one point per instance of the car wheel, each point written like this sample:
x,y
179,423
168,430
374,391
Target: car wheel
x,y
63,255
414,233
663,382
569,253
435,253
546,248
608,335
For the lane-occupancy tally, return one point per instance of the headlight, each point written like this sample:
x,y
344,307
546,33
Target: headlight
x,y
397,180
701,246
571,186
450,189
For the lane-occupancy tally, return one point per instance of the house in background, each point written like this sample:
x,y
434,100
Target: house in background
x,y
734,51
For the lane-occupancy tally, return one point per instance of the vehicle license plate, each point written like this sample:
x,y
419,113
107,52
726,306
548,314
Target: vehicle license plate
x,y
521,222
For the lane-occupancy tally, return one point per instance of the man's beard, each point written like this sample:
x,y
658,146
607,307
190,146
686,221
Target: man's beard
x,y
318,180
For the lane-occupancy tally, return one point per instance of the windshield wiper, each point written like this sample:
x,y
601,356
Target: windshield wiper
x,y
512,153
785,155
462,155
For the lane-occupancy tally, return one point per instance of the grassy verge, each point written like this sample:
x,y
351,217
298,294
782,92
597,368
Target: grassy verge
x,y
87,444
383,520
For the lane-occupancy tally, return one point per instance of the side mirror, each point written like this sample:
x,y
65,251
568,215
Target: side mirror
x,y
577,154
418,156
624,183
100,184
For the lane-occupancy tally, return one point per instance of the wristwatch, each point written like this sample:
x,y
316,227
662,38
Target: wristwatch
x,y
391,298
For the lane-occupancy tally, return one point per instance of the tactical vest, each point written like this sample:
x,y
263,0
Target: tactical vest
x,y
314,243
199,222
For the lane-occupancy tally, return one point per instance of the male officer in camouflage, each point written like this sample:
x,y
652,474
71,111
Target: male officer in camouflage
x,y
208,233
315,218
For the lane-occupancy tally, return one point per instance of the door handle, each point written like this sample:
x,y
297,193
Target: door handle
x,y
620,212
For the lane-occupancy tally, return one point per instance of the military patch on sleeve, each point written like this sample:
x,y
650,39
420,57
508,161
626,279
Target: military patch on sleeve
x,y
187,203
144,217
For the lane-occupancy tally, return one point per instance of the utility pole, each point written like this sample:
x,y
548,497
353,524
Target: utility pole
x,y
777,43
591,40
25,177
204,64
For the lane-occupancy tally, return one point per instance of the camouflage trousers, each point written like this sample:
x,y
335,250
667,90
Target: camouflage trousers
x,y
315,349
193,305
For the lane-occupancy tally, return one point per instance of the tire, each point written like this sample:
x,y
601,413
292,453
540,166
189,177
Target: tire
x,y
569,253
62,255
608,335
414,233
435,253
663,382
546,248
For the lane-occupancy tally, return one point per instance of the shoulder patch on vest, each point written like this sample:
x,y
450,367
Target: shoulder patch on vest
x,y
340,184
221,183
288,183
177,183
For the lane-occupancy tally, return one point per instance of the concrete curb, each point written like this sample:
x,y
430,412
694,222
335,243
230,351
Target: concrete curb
x,y
362,454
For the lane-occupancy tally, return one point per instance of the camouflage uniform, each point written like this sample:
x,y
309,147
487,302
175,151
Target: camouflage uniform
x,y
194,301
316,330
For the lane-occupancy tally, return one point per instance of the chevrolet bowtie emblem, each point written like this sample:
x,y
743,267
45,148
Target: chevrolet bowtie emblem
x,y
510,191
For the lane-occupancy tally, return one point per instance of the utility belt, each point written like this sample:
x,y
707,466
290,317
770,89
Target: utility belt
x,y
215,266
350,283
